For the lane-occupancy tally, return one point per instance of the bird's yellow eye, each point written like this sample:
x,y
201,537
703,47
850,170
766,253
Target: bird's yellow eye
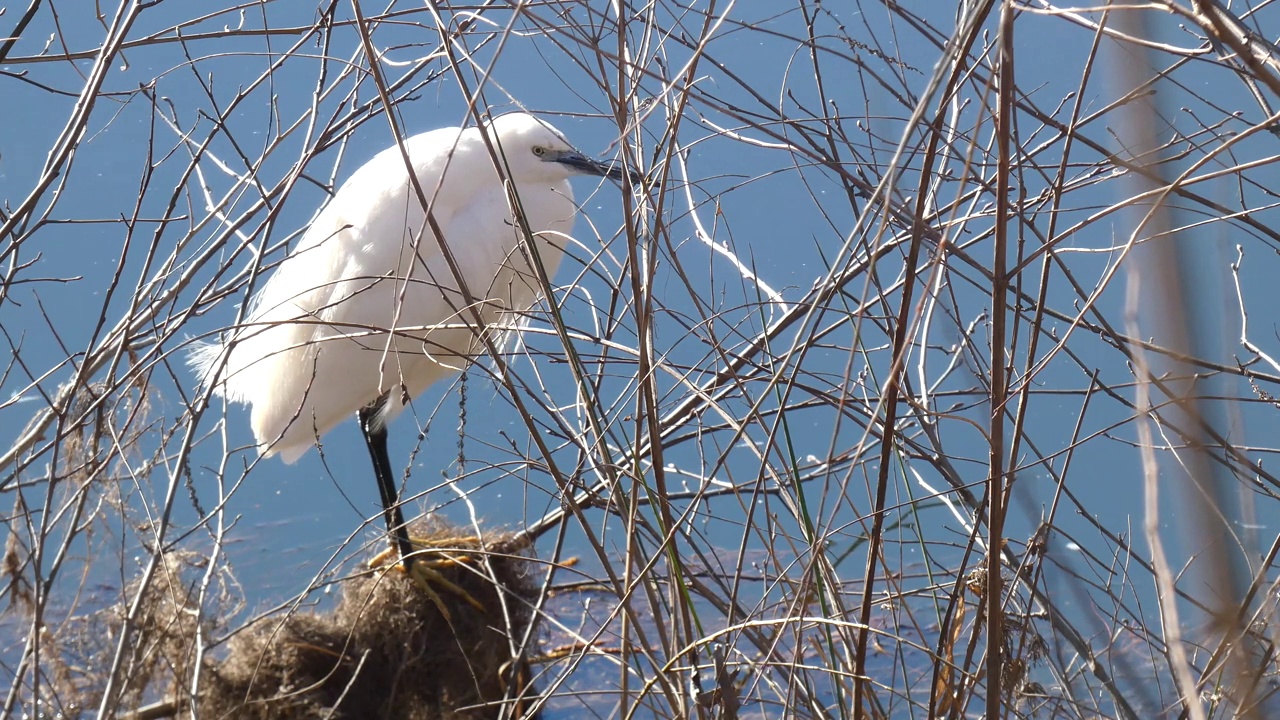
x,y
539,150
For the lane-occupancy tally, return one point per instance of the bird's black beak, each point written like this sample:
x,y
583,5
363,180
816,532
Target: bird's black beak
x,y
590,166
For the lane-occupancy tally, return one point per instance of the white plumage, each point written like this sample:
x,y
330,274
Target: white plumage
x,y
366,309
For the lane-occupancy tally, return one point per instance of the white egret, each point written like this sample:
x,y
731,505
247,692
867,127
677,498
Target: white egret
x,y
367,311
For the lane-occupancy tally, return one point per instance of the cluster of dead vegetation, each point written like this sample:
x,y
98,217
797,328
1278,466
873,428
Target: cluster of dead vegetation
x,y
386,647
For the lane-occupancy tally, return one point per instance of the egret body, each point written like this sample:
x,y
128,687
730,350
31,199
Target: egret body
x,y
366,312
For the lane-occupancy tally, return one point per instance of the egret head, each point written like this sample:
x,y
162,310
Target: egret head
x,y
536,150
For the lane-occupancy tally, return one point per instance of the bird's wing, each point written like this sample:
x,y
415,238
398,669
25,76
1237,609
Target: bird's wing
x,y
292,358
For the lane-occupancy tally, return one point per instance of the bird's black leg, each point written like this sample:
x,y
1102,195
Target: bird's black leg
x,y
375,436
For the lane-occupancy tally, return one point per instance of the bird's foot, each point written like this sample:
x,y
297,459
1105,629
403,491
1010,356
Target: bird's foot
x,y
424,568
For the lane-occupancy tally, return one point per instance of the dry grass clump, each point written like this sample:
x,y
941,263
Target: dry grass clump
x,y
385,650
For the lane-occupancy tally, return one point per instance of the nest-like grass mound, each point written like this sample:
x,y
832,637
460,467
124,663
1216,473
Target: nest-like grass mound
x,y
385,650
